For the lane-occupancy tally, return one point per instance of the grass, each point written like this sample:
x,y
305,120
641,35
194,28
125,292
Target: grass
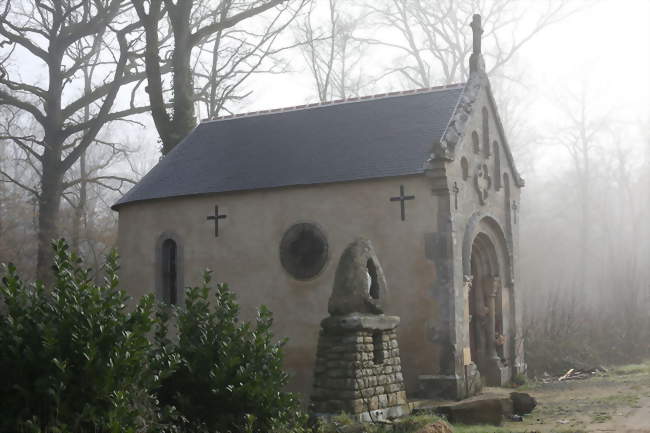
x,y
599,417
565,407
530,385
412,423
619,400
632,369
345,424
479,429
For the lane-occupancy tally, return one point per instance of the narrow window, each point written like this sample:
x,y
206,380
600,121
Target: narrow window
x,y
497,166
377,348
486,133
169,272
373,290
475,142
464,165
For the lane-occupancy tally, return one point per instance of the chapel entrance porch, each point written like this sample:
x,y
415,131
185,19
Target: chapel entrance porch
x,y
487,338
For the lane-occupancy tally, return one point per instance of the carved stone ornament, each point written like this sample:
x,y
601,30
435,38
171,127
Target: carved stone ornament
x,y
482,182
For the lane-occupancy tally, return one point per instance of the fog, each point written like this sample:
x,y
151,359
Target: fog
x,y
573,92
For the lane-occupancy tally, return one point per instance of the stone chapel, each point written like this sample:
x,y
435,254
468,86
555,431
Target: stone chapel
x,y
269,200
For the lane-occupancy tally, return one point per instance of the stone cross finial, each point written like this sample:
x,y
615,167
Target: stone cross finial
x,y
476,59
477,31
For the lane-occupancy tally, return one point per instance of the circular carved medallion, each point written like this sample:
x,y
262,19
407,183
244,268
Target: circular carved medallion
x,y
303,251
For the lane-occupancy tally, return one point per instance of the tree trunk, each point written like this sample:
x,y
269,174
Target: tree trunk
x,y
184,120
49,203
80,209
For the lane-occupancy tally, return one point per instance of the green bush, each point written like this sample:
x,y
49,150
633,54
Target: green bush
x,y
73,358
222,374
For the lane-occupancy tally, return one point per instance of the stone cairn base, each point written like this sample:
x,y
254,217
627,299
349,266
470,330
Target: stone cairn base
x,y
358,369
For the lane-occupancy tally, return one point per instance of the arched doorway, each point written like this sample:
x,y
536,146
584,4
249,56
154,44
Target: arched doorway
x,y
485,307
489,307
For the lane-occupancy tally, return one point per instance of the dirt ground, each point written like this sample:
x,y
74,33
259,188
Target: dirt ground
x,y
615,402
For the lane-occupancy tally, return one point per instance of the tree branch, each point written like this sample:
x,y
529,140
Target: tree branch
x,y
203,32
6,98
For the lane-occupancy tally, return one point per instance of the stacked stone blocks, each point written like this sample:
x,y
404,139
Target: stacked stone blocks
x,y
349,376
358,369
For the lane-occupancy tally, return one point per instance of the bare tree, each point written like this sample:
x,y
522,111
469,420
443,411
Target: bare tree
x,y
434,43
594,284
190,23
17,206
45,34
92,164
581,137
333,50
228,58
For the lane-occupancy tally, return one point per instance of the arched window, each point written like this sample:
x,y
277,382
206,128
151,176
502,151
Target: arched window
x,y
486,133
464,166
169,262
475,142
497,166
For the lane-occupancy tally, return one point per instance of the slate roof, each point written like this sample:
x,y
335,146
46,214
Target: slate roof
x,y
377,137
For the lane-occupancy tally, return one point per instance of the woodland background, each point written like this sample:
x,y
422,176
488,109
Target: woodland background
x,y
93,92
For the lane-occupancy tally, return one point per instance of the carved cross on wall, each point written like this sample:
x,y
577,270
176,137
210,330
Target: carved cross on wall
x,y
456,190
216,217
515,208
402,198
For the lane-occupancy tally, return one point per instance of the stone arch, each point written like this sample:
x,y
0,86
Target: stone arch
x,y
487,261
486,222
166,290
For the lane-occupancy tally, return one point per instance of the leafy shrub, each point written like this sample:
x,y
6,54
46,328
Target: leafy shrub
x,y
519,380
73,358
222,374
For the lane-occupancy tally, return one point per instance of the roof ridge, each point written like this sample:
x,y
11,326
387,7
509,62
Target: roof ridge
x,y
336,102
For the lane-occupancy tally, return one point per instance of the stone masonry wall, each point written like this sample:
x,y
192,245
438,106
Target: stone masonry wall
x,y
358,372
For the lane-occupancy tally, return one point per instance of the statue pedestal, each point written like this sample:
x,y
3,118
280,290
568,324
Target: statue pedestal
x,y
358,369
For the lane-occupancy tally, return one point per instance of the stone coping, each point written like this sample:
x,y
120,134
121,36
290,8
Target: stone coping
x,y
357,321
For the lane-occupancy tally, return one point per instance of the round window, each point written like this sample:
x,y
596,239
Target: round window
x,y
303,251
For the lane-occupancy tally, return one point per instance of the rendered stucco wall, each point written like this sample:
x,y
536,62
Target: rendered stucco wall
x,y
246,255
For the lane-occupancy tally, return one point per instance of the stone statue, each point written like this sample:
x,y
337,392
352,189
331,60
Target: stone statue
x,y
359,284
358,368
